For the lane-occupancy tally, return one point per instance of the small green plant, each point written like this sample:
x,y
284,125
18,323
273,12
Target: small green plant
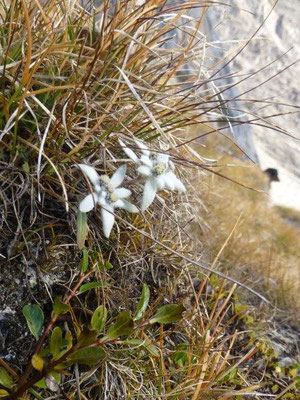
x,y
80,343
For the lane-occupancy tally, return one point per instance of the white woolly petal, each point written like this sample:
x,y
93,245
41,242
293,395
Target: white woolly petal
x,y
143,147
129,207
102,201
146,160
161,181
129,152
144,170
126,206
118,176
171,165
108,219
122,193
101,196
91,173
162,158
170,181
88,203
119,203
179,185
149,193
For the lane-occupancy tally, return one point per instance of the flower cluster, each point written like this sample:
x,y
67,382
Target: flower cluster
x,y
156,168
107,194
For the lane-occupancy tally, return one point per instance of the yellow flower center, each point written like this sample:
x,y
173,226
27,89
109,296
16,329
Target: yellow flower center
x,y
160,168
110,188
114,197
105,182
105,179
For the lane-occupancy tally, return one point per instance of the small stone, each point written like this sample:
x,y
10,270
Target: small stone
x,y
7,310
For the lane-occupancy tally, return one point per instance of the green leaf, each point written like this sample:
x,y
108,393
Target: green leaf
x,y
82,229
102,267
232,374
86,337
152,349
123,326
143,344
5,379
66,344
3,393
99,318
91,285
167,314
181,355
34,318
44,352
133,342
59,307
56,341
84,261
108,265
69,340
143,303
274,388
37,362
26,167
87,355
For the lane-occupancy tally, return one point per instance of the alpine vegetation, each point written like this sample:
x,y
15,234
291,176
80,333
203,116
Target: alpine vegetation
x,y
152,313
107,194
157,169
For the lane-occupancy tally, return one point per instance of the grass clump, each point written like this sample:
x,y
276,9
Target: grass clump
x,y
132,315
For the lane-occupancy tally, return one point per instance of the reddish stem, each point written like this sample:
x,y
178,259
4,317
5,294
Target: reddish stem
x,y
48,328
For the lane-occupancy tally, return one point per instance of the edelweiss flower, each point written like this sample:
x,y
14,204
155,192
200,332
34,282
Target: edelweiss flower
x,y
107,194
157,168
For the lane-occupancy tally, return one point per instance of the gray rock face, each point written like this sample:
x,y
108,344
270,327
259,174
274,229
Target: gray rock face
x,y
241,132
271,94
